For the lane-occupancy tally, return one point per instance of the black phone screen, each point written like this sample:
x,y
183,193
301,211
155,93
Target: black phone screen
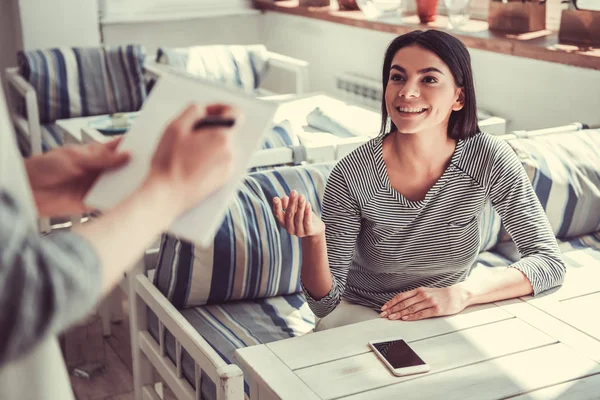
x,y
398,353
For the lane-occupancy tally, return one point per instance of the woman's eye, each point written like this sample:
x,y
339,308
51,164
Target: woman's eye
x,y
397,78
429,79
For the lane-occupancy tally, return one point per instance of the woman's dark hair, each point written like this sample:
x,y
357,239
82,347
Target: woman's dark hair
x,y
463,123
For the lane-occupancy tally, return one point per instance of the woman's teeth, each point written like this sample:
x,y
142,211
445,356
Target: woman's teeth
x,y
411,110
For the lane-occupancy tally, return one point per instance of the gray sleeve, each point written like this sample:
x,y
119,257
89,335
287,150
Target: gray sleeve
x,y
46,283
525,220
342,219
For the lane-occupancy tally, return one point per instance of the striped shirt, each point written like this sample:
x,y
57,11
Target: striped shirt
x,y
380,244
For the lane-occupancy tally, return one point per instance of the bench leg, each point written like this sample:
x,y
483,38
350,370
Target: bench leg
x,y
143,372
104,311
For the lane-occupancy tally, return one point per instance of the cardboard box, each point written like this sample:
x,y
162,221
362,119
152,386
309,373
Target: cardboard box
x,y
517,16
580,27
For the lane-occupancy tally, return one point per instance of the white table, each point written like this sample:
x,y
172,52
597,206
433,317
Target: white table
x,y
578,300
490,351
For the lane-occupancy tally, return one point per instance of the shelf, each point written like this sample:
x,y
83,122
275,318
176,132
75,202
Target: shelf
x,y
537,45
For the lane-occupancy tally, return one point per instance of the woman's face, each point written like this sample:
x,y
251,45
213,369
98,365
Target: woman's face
x,y
420,94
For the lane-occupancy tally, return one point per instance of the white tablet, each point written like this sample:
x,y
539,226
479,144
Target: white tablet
x,y
171,94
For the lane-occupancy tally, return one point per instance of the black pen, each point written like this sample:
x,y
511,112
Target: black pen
x,y
214,121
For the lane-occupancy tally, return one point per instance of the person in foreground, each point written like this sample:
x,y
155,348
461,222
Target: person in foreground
x,y
48,283
400,228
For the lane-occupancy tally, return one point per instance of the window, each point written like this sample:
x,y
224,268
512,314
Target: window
x,y
149,10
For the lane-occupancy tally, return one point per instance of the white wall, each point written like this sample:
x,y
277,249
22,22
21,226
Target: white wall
x,y
242,29
59,23
529,93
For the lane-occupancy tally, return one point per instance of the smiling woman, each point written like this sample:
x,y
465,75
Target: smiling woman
x,y
446,78
400,226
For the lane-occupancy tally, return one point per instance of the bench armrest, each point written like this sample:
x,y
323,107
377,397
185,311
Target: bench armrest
x,y
299,67
26,92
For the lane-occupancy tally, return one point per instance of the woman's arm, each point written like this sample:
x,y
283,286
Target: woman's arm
x,y
46,284
494,285
525,220
188,165
541,266
315,274
59,179
327,249
136,222
49,283
483,287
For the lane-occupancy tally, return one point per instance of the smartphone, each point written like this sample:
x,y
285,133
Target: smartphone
x,y
397,355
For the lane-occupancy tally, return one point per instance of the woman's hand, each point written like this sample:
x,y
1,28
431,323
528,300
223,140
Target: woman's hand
x,y
295,214
61,178
425,302
191,164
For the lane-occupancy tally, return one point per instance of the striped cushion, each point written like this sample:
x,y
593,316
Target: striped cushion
x,y
231,326
281,135
565,173
582,251
237,66
251,257
75,82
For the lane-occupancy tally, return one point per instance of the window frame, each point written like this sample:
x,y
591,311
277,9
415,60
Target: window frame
x,y
121,11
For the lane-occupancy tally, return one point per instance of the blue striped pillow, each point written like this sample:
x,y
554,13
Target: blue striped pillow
x,y
251,257
237,66
76,82
280,135
564,170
